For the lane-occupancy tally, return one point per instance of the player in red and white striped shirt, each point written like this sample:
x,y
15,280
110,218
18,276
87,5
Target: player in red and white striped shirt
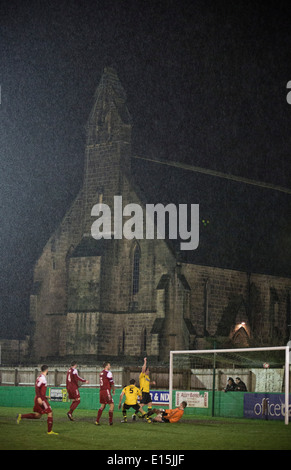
x,y
106,389
72,384
41,404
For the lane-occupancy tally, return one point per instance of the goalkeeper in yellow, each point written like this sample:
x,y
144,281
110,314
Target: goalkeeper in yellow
x,y
131,393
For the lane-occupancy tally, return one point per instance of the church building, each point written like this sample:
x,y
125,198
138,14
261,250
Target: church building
x,y
122,298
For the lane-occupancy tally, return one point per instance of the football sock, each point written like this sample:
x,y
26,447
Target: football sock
x,y
29,416
74,405
149,412
49,424
99,415
110,416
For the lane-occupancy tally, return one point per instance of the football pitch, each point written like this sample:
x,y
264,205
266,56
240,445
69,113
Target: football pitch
x,y
188,434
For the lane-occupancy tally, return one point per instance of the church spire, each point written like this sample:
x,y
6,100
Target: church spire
x,y
109,119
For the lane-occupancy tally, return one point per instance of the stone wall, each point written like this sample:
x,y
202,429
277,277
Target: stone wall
x,y
84,283
110,334
223,299
13,351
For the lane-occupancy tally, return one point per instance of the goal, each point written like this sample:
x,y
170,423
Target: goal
x,y
203,375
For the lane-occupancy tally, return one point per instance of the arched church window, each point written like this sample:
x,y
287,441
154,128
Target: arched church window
x,y
123,342
135,270
144,342
241,338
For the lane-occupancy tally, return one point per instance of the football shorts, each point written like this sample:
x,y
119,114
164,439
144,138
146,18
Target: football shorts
x,y
146,398
43,409
73,393
105,397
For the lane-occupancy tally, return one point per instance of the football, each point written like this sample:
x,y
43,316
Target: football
x,y
266,365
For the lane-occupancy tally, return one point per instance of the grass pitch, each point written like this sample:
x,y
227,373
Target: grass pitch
x,y
188,434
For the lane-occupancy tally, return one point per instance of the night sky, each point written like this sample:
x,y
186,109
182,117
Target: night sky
x,y
206,85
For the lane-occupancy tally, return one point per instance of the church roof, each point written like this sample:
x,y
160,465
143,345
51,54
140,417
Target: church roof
x,y
241,226
88,247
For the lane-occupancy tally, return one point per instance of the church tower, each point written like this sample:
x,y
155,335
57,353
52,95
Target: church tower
x,y
108,145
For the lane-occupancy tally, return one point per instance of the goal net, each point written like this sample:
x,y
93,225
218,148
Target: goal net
x,y
241,382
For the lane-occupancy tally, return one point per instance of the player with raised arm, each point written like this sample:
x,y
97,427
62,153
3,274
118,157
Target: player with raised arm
x,y
72,385
41,404
144,384
107,389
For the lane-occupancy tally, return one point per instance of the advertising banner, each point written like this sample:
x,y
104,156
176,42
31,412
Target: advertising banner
x,y
58,394
265,406
160,397
193,399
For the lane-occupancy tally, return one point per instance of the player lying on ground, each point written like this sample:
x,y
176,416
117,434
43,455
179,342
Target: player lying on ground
x,y
41,404
131,393
168,416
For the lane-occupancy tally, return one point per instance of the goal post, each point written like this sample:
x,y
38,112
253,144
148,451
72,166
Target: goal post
x,y
213,355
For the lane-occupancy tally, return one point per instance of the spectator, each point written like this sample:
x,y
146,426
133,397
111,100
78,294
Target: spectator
x,y
240,385
231,386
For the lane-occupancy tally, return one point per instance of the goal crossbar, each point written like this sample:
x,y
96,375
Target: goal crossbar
x,y
236,350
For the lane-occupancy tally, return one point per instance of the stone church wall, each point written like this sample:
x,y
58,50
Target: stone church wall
x,y
260,302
